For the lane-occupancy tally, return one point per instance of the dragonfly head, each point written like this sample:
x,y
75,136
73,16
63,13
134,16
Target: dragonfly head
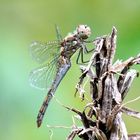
x,y
83,31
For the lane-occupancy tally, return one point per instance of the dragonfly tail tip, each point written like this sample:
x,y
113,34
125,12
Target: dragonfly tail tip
x,y
39,123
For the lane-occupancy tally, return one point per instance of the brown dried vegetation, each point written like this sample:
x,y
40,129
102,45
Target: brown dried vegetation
x,y
109,85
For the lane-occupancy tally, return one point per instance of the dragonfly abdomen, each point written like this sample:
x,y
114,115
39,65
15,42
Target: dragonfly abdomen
x,y
62,70
43,108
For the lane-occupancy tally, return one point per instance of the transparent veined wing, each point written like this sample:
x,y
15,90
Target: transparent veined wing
x,y
58,35
42,52
43,77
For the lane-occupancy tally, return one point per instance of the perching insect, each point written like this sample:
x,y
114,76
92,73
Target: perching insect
x,y
57,54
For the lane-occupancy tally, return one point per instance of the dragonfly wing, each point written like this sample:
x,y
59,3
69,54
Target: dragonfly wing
x,y
42,78
42,52
58,35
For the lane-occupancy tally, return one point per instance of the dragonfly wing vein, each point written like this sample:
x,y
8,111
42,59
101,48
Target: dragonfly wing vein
x,y
42,52
42,78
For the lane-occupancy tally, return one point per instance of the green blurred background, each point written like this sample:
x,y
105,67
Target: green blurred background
x,y
23,21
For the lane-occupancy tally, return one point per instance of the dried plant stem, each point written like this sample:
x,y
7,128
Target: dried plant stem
x,y
101,117
107,93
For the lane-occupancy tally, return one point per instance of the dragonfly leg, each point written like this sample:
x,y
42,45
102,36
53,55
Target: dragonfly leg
x,y
80,56
88,51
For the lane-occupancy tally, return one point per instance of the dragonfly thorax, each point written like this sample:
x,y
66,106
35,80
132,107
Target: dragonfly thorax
x,y
75,40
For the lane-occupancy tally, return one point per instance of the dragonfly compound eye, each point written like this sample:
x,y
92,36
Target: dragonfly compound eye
x,y
84,31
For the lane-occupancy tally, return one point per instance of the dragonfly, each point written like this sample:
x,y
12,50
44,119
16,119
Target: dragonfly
x,y
55,59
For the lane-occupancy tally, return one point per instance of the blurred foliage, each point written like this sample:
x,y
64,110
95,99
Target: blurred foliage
x,y
21,22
